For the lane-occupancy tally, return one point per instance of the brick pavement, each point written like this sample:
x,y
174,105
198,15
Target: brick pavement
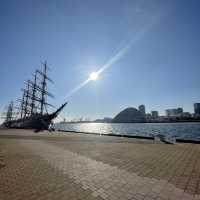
x,y
177,164
93,167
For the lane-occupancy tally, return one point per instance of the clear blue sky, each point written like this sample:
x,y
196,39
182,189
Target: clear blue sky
x,y
76,37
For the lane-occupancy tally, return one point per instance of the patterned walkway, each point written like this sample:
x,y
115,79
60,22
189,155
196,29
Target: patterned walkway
x,y
104,180
74,169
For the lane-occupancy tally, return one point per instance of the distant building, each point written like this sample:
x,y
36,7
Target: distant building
x,y
148,116
175,112
168,112
179,111
154,114
197,108
129,115
104,120
186,115
141,108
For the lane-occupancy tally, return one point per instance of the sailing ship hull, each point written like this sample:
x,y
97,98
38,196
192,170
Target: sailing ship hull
x,y
37,121
34,122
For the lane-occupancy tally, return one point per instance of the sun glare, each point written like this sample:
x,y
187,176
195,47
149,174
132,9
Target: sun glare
x,y
94,76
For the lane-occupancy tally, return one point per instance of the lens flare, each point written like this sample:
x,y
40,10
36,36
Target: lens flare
x,y
94,76
119,55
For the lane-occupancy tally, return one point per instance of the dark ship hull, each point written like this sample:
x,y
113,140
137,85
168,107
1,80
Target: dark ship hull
x,y
37,121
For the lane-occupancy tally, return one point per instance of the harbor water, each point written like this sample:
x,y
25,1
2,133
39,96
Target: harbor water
x,y
179,130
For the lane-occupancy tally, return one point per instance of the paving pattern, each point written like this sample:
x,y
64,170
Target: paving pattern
x,y
178,164
92,167
2,164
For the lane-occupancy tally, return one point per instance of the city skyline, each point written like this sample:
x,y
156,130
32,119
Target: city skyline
x,y
151,49
169,112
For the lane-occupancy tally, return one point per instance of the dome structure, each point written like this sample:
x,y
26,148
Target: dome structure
x,y
129,115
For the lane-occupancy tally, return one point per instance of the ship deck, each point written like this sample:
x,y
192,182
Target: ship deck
x,y
58,165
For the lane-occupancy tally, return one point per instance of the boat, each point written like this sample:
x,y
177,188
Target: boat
x,y
32,113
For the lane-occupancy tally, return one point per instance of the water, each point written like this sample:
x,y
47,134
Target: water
x,y
178,130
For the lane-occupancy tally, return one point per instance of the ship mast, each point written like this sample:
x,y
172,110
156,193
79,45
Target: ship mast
x,y
9,114
34,97
33,94
26,103
22,105
43,88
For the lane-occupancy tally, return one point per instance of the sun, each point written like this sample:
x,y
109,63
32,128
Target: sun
x,y
94,76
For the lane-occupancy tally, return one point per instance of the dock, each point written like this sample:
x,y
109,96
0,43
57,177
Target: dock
x,y
77,166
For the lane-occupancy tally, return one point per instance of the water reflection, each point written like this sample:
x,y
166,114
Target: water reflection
x,y
179,130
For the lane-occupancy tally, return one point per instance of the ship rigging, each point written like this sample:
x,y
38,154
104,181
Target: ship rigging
x,y
32,111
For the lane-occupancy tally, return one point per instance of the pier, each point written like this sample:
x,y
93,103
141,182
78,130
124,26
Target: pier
x,y
58,165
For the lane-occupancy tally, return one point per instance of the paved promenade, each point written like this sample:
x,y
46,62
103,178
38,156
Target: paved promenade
x,y
40,166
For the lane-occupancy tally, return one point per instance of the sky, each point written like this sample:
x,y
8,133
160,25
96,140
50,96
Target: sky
x,y
151,48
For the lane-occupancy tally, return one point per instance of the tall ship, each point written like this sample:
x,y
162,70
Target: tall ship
x,y
32,110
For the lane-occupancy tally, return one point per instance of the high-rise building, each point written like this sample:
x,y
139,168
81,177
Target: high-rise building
x,y
197,108
169,113
179,111
174,112
142,109
154,114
